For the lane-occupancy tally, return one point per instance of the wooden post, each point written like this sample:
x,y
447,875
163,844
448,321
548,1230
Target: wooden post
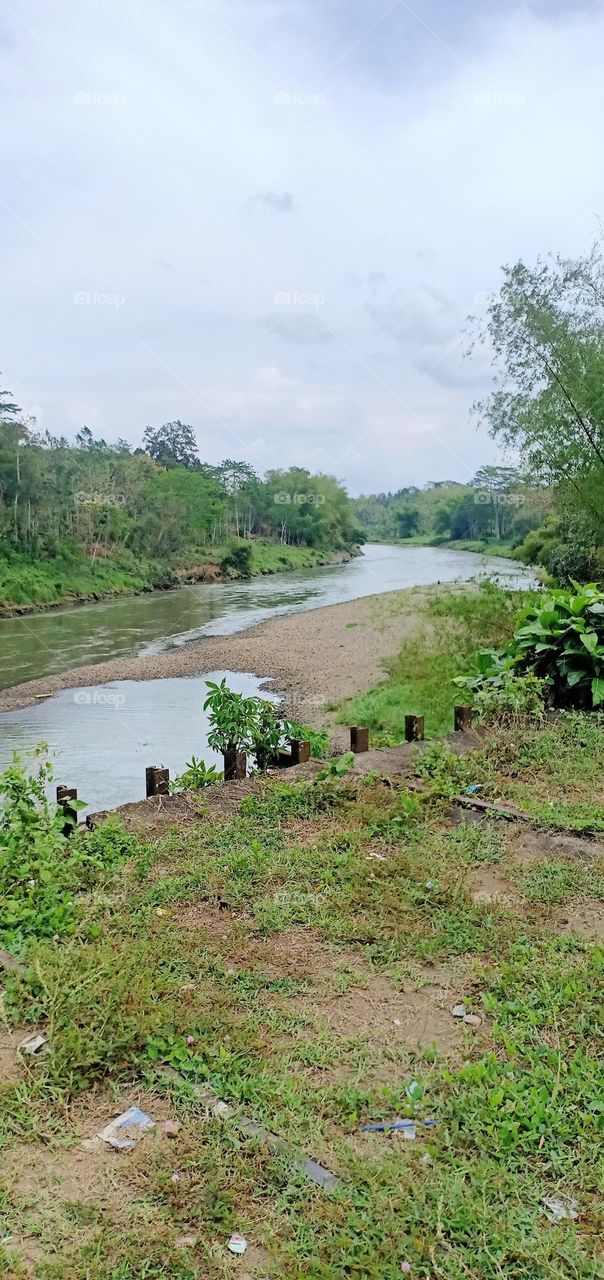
x,y
359,739
300,751
158,781
414,728
462,719
235,764
64,795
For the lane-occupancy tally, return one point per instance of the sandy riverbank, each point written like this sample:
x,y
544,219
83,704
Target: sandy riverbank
x,y
312,659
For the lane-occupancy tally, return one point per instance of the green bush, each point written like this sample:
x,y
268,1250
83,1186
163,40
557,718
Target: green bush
x,y
41,870
559,640
238,558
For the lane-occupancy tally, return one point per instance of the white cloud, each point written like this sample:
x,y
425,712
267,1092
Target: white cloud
x,y
429,154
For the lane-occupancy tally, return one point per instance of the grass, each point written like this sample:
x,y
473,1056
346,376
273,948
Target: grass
x,y
43,583
271,955
452,625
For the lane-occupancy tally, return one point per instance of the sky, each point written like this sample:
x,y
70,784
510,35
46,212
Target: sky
x,y
271,218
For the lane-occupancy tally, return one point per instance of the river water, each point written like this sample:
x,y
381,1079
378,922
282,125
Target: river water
x,y
65,638
102,737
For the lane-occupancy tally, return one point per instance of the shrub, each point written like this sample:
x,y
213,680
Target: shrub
x,y
559,640
238,558
41,871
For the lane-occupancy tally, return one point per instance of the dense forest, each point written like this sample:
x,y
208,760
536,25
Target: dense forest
x,y
93,510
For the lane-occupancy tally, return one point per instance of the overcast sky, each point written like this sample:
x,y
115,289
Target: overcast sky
x,y
270,218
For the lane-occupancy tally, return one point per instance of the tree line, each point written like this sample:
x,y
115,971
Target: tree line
x,y
497,506
155,501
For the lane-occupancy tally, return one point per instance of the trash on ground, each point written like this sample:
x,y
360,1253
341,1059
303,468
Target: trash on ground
x,y
406,1268
472,1020
171,1128
459,1010
175,1178
558,1209
431,884
471,791
33,1043
427,1158
126,1130
408,1127
396,1022
237,1244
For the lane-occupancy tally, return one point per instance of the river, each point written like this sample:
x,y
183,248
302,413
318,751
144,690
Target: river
x,y
101,737
41,644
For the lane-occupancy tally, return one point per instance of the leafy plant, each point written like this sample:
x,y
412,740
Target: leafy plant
x,y
560,640
318,738
505,698
196,776
41,870
232,717
267,734
337,768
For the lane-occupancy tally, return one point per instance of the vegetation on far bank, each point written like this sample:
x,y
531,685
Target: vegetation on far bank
x,y
93,518
28,583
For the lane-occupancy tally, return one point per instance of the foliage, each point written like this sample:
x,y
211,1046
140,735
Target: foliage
x,y
232,717
41,870
337,768
505,697
448,628
497,506
102,501
196,776
318,738
546,328
239,558
560,640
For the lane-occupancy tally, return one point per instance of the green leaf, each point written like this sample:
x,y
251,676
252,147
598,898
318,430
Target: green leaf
x,y
597,691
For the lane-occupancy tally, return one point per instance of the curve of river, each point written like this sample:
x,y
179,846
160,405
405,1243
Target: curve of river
x,y
45,643
100,738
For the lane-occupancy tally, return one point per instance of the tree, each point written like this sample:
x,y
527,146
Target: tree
x,y
172,445
8,408
546,329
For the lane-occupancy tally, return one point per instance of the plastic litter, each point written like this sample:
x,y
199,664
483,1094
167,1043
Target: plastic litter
x,y
471,791
557,1210
33,1043
402,1126
459,1010
126,1130
431,884
406,1268
237,1243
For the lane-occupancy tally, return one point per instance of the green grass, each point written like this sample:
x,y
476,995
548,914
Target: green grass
x,y
228,950
43,583
451,626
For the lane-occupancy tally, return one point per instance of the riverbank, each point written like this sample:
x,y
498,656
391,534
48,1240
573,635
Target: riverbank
x,y
313,659
480,545
28,587
391,653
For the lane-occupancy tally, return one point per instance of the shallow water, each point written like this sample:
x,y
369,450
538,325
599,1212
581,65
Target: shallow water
x,y
62,639
103,737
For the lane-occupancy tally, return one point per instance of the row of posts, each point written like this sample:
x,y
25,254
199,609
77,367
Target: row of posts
x,y
235,762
